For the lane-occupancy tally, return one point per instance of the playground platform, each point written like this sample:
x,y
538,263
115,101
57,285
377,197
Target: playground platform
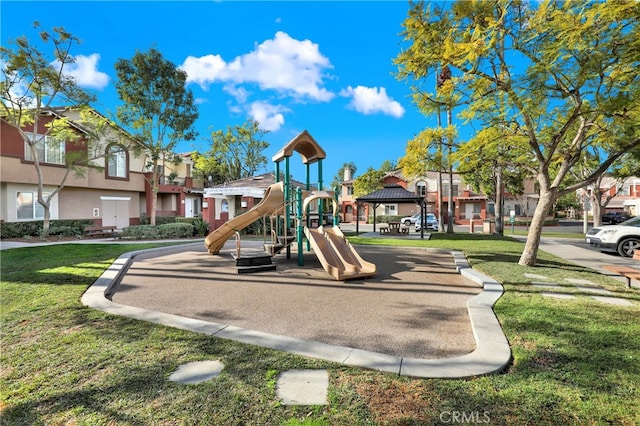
x,y
415,317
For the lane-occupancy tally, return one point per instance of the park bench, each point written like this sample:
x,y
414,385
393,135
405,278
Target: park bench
x,y
100,231
384,228
626,271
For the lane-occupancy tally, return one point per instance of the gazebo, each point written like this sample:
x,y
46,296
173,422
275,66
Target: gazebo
x,y
392,193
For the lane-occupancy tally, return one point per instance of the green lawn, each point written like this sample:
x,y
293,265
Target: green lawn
x,y
575,361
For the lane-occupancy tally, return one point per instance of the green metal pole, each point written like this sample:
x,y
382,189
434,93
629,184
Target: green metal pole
x,y
276,180
320,184
287,198
300,232
335,216
308,187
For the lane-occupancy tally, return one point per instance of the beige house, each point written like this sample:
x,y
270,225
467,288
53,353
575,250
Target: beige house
x,y
467,205
623,196
115,194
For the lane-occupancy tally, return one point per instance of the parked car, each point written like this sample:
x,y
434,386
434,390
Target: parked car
x,y
613,218
410,220
431,222
623,238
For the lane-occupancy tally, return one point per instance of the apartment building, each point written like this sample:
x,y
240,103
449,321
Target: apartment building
x,y
114,193
467,204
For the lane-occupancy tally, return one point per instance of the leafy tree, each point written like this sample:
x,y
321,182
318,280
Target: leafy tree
x,y
368,182
31,83
559,91
236,153
158,111
339,177
425,153
492,166
388,166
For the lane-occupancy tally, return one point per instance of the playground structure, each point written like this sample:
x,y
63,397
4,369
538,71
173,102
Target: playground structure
x,y
280,200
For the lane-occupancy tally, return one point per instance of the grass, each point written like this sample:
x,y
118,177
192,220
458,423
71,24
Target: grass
x,y
575,362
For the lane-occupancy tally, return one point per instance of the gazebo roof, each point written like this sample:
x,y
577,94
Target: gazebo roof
x,y
393,193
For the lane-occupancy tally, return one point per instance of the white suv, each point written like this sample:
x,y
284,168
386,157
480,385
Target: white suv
x,y
623,238
410,220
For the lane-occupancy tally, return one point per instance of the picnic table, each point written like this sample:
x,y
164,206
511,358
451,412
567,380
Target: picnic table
x,y
393,228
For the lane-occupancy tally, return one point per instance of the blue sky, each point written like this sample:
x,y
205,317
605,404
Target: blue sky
x,y
321,66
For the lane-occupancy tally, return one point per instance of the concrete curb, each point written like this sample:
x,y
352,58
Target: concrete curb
x,y
492,353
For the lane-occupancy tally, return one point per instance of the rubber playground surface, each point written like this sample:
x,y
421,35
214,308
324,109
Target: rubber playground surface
x,y
414,307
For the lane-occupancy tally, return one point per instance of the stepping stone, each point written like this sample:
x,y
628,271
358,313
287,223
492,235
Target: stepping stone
x,y
614,300
594,290
540,277
579,281
558,295
196,372
547,285
303,387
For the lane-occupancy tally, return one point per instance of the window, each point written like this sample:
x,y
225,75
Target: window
x,y
421,189
349,189
116,162
445,189
48,149
390,209
28,208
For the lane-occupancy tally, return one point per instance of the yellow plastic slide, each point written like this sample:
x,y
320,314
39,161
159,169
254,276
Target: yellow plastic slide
x,y
271,203
337,256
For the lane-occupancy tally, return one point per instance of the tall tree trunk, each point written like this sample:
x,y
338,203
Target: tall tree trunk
x,y
439,201
154,206
155,183
530,252
499,203
46,222
450,205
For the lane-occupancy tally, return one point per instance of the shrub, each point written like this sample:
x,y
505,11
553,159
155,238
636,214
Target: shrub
x,y
20,229
167,230
33,228
160,220
200,227
141,232
65,230
176,230
385,219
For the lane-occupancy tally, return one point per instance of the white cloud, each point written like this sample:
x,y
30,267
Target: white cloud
x,y
372,100
204,70
239,93
269,116
283,64
84,71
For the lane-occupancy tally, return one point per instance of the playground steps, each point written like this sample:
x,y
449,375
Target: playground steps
x,y
254,262
283,242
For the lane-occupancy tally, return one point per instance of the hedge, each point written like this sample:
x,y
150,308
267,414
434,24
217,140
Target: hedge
x,y
166,230
68,227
